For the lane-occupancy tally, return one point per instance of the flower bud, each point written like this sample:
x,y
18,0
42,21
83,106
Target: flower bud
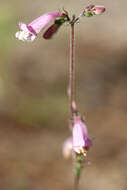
x,y
92,10
98,9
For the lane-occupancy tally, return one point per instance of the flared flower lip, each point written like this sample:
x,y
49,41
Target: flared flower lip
x,y
27,28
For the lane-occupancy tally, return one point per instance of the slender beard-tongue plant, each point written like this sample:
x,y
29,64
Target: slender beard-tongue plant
x,y
79,143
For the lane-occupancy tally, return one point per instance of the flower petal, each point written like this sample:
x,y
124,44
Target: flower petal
x,y
23,26
81,142
41,22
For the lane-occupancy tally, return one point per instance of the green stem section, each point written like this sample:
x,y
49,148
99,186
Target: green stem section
x,y
78,167
76,183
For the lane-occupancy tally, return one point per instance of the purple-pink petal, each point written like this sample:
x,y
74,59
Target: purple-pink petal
x,y
88,143
98,9
80,133
80,136
31,30
23,26
38,24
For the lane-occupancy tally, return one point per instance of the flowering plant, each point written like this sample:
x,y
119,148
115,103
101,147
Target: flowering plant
x,y
79,144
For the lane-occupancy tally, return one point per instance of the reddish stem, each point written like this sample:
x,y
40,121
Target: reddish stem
x,y
72,72
72,83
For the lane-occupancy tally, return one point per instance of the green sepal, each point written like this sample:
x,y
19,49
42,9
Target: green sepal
x,y
88,14
80,157
60,21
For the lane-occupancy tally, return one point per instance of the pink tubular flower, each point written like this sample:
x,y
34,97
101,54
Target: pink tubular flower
x,y
81,142
30,31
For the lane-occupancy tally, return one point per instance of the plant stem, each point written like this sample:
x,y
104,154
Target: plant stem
x,y
78,165
72,70
76,182
72,83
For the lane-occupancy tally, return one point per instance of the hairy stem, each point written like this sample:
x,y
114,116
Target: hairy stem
x,y
72,89
72,71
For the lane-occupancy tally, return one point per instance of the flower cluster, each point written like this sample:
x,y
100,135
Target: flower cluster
x,y
29,32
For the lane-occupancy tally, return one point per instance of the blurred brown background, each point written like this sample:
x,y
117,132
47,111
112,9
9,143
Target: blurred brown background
x,y
34,103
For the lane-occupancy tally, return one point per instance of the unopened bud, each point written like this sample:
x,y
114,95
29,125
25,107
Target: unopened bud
x,y
98,9
92,10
